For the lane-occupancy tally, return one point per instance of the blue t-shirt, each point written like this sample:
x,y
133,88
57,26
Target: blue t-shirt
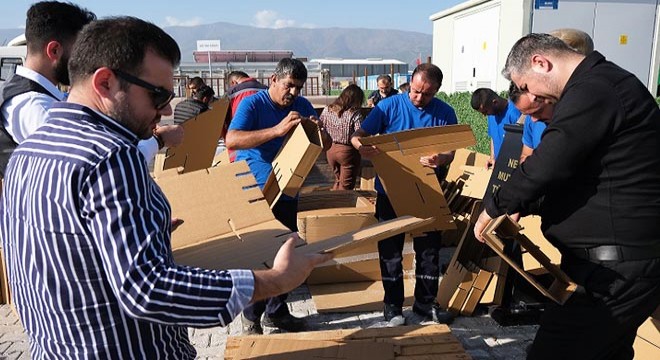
x,y
496,125
397,113
532,132
258,112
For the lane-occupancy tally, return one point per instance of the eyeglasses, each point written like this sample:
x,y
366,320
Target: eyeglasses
x,y
159,95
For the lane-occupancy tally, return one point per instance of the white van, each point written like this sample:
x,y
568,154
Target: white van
x,y
11,56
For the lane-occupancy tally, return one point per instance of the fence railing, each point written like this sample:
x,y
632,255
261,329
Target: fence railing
x,y
220,85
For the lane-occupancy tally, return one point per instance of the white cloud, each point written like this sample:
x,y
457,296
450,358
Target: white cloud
x,y
172,21
271,19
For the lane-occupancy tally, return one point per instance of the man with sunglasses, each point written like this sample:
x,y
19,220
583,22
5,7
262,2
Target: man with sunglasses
x,y
257,131
51,28
86,231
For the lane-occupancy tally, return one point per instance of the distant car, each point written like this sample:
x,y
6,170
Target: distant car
x,y
11,56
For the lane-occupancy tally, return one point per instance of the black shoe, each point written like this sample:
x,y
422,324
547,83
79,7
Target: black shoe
x,y
287,323
433,312
250,327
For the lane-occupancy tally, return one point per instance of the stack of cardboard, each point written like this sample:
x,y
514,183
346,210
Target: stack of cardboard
x,y
399,343
647,342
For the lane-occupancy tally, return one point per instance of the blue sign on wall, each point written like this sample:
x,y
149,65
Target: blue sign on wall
x,y
546,4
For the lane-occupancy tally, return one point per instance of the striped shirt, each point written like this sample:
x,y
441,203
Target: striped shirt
x,y
86,234
341,128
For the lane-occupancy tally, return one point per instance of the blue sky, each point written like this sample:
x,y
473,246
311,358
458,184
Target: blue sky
x,y
383,14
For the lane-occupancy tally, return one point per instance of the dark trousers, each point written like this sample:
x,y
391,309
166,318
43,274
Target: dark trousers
x,y
345,162
427,259
286,212
600,319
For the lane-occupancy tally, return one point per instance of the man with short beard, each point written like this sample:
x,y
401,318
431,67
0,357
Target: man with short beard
x,y
51,28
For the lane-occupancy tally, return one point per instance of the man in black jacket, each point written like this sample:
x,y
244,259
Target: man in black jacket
x,y
599,170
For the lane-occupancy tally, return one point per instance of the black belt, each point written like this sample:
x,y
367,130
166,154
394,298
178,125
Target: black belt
x,y
616,253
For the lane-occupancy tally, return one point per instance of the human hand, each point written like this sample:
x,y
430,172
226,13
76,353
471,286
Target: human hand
x,y
176,222
292,268
368,151
480,225
171,135
292,119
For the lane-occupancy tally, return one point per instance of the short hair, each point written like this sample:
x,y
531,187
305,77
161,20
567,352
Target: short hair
x,y
197,81
514,92
291,67
481,97
576,39
384,77
429,72
518,60
350,98
404,87
53,20
237,74
119,43
202,92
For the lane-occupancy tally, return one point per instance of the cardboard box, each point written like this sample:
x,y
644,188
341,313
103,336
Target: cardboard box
x,y
294,161
367,179
504,227
398,163
228,224
200,141
402,342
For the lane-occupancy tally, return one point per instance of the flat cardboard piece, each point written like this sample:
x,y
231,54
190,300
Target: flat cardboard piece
x,y
358,268
650,330
355,296
531,227
200,141
294,161
405,342
505,228
398,163
476,182
367,179
273,349
644,350
464,157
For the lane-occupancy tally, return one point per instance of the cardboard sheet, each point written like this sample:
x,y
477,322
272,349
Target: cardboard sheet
x,y
403,342
355,296
200,140
398,163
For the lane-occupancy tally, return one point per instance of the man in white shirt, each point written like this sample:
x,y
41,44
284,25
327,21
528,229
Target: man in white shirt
x,y
51,29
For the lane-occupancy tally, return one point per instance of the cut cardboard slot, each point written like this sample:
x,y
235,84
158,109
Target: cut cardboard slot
x,y
294,161
403,342
398,163
202,133
504,227
531,228
357,268
228,224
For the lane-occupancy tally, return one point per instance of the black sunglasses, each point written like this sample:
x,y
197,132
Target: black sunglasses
x,y
159,95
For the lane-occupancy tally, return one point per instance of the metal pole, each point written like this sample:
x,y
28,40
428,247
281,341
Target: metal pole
x,y
209,52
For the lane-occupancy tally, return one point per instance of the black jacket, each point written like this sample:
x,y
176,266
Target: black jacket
x,y
598,163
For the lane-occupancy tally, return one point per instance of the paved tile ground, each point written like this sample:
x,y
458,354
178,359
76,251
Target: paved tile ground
x,y
481,336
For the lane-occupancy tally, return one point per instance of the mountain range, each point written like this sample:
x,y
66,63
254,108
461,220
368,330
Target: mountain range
x,y
348,43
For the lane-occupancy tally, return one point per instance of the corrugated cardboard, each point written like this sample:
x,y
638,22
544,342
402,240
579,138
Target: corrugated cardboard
x,y
398,163
228,224
355,296
357,268
200,141
503,226
367,176
464,157
294,161
650,329
531,227
403,342
644,350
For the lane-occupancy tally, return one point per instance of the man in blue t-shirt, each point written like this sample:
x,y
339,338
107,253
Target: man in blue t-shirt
x,y
538,111
416,109
257,133
499,112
